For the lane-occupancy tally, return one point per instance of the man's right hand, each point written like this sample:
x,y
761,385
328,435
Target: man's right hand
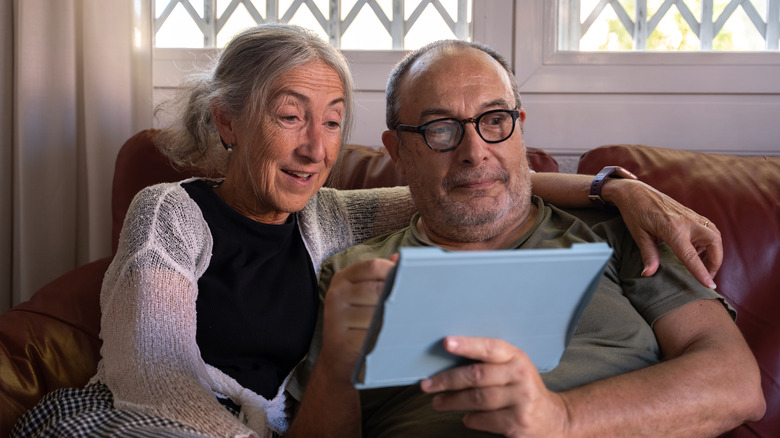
x,y
331,405
349,306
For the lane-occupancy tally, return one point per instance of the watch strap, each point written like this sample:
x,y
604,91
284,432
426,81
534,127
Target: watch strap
x,y
598,183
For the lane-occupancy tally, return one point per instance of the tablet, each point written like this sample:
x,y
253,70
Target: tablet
x,y
531,298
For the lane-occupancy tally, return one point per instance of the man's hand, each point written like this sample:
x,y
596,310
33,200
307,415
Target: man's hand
x,y
349,307
504,392
707,365
331,404
653,217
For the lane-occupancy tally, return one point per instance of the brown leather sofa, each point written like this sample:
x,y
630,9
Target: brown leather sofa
x,y
51,341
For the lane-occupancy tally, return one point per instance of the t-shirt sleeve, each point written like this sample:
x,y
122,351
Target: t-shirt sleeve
x,y
670,288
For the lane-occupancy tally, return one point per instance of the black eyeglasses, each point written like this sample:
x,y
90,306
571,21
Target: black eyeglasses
x,y
444,135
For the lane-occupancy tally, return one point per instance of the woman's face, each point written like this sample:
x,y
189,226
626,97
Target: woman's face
x,y
285,158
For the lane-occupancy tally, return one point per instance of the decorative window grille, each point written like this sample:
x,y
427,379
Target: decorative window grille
x,y
347,24
724,25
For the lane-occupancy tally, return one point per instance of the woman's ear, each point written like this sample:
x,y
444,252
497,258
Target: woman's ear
x,y
224,125
392,144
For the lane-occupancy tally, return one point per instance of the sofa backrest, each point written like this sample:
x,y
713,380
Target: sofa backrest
x,y
140,164
741,196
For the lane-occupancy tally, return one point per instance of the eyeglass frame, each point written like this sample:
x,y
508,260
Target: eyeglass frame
x,y
420,129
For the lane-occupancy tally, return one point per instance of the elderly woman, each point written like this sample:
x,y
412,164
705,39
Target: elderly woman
x,y
211,300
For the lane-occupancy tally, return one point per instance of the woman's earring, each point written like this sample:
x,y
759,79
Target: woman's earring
x,y
228,146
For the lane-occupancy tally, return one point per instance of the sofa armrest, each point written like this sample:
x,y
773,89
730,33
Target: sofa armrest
x,y
51,341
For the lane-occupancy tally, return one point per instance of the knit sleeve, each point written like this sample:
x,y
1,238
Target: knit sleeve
x,y
150,359
334,220
670,288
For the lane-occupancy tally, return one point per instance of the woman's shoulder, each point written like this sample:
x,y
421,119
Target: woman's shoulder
x,y
163,197
159,191
163,217
166,205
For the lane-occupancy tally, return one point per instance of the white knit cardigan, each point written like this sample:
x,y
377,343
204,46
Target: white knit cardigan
x,y
149,357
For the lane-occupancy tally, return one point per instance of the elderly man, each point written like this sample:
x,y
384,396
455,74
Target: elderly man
x,y
656,355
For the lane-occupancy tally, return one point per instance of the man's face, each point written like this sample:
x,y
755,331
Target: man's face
x,y
479,189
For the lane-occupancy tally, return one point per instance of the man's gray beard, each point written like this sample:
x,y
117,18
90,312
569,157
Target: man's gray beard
x,y
458,222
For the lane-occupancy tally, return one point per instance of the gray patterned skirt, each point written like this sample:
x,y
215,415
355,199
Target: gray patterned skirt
x,y
89,411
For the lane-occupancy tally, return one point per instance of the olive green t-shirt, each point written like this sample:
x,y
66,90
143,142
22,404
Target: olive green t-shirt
x,y
614,335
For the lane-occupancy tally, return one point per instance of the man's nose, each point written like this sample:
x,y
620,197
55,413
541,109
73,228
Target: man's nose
x,y
473,149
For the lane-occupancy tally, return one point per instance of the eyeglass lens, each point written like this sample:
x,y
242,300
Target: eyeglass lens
x,y
492,126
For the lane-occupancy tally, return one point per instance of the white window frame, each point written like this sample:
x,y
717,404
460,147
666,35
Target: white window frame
x,y
492,24
542,68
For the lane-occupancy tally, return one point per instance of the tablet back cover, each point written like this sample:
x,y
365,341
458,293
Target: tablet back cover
x,y
531,298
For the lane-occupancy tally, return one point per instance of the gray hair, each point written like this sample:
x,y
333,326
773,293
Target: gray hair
x,y
240,84
393,91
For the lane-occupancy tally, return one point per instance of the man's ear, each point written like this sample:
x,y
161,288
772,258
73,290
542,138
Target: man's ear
x,y
224,125
391,141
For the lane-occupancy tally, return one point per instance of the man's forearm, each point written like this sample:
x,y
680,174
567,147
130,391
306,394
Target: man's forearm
x,y
329,408
568,190
562,189
710,387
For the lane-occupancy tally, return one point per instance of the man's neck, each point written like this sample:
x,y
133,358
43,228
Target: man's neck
x,y
501,241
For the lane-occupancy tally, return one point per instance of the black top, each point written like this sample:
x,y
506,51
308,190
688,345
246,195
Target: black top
x,y
257,301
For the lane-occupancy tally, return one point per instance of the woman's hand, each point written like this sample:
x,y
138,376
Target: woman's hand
x,y
653,217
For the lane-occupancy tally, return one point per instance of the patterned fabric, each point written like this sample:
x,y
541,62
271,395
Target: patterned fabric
x,y
89,411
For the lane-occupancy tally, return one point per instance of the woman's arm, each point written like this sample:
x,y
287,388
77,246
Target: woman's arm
x,y
150,359
651,216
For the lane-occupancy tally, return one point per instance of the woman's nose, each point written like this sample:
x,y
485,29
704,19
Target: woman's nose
x,y
314,147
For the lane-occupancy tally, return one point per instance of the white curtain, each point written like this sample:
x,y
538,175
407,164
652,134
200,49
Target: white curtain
x,y
77,83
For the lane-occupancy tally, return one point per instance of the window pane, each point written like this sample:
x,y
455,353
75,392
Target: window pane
x,y
739,33
373,26
366,32
239,20
306,16
429,27
606,33
178,30
668,25
673,33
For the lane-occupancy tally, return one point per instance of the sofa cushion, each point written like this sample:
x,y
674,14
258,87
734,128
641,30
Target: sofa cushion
x,y
741,196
